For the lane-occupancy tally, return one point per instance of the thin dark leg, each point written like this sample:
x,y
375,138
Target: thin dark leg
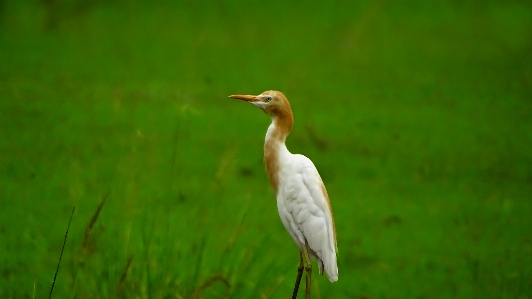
x,y
299,274
308,267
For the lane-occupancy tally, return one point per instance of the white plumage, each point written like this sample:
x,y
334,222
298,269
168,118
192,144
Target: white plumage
x,y
302,199
304,210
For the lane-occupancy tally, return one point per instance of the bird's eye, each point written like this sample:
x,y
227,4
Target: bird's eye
x,y
268,99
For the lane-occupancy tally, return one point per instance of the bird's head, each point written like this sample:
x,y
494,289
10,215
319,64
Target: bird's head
x,y
273,102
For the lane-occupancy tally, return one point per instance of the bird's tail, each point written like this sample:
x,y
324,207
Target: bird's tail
x,y
331,268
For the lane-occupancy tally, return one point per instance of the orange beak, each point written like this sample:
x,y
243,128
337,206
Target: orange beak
x,y
246,98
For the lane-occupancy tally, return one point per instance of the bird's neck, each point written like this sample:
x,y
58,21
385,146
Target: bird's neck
x,y
275,148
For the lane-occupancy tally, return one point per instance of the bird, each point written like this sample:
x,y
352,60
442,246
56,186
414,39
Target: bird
x,y
302,199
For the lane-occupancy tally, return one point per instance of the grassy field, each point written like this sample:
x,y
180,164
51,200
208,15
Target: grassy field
x,y
418,116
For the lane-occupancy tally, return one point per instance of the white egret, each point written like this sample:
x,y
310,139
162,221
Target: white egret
x,y
302,199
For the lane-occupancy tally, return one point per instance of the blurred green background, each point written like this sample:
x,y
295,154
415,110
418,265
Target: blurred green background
x,y
418,116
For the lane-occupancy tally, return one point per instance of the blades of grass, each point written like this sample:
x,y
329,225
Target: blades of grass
x,y
120,283
247,285
233,239
273,288
213,279
93,220
146,241
197,269
61,255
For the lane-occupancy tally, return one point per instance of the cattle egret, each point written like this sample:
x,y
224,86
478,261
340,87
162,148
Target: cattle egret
x,y
302,199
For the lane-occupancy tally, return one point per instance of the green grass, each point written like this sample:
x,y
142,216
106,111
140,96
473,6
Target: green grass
x,y
418,116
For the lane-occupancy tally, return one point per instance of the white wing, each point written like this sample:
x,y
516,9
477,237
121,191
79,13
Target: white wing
x,y
305,207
